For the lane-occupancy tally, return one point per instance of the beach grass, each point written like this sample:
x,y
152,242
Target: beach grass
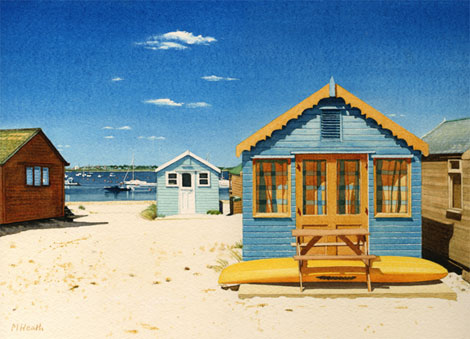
x,y
150,213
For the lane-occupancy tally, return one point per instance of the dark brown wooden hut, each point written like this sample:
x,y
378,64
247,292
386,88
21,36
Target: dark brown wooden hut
x,y
31,176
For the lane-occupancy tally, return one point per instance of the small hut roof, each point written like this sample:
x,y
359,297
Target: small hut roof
x,y
325,92
192,155
449,137
12,140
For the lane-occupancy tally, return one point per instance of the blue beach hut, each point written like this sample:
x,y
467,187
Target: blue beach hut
x,y
331,162
187,184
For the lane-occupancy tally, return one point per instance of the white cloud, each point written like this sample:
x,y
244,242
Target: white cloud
x,y
163,102
198,104
140,137
126,128
67,146
402,115
217,78
153,137
393,115
59,146
109,137
117,79
187,38
175,40
107,127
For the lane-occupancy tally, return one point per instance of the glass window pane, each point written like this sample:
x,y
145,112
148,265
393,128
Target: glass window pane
x,y
456,186
45,176
186,177
29,176
314,187
272,186
348,189
37,176
391,186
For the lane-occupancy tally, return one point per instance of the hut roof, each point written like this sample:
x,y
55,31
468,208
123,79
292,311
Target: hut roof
x,y
325,92
449,137
12,140
235,170
192,155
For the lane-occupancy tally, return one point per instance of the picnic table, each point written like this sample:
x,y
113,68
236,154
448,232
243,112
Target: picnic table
x,y
343,234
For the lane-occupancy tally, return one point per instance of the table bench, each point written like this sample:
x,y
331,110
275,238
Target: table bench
x,y
317,234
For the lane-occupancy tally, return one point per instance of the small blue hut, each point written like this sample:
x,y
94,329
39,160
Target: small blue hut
x,y
187,184
331,162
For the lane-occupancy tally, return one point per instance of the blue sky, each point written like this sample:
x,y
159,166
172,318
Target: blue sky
x,y
105,80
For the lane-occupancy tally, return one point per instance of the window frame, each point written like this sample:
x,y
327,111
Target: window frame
x,y
167,179
287,214
408,214
450,192
43,177
37,180
208,179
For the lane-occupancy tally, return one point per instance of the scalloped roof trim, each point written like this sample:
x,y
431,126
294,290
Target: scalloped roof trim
x,y
366,110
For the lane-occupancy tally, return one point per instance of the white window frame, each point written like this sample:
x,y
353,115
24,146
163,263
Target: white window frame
x,y
208,179
167,177
450,192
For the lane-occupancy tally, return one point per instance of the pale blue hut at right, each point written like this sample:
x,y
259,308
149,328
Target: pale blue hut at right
x,y
187,184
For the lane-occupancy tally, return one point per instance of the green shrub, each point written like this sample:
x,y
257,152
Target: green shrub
x,y
81,207
214,212
150,213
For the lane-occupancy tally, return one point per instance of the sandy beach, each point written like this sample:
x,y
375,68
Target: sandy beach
x,y
113,274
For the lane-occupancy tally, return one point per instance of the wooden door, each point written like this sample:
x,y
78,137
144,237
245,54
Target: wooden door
x,y
187,194
331,193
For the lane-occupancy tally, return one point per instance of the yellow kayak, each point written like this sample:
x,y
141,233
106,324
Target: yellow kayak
x,y
384,269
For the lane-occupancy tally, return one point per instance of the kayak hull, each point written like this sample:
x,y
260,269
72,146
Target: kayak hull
x,y
384,269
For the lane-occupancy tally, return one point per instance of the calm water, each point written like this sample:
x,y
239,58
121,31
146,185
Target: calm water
x,y
92,187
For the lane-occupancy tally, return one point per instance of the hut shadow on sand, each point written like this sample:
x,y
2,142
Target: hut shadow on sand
x,y
14,228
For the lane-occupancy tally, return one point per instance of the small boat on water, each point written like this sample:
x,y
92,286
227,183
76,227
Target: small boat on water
x,y
135,184
69,182
116,188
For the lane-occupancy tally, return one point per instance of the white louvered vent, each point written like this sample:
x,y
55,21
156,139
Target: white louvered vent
x,y
331,125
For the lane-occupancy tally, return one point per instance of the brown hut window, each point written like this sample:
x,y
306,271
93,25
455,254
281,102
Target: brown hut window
x,y
37,176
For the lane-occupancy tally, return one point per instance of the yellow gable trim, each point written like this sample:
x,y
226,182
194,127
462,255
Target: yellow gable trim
x,y
366,110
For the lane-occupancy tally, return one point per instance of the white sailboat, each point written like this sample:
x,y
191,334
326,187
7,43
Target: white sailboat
x,y
136,184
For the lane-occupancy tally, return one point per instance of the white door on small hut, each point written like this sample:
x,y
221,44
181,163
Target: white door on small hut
x,y
187,201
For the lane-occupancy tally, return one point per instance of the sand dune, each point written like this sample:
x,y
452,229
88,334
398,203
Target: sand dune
x,y
133,278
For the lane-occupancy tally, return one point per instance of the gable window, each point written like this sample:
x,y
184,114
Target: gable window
x,y
203,179
455,184
37,176
171,179
331,125
392,179
271,188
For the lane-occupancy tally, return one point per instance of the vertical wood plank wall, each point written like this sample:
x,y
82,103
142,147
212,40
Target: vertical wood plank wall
x,y
237,191
444,235
23,203
271,237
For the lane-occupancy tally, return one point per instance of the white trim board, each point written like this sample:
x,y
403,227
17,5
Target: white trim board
x,y
192,155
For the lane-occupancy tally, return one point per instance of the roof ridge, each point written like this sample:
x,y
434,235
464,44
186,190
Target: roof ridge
x,y
20,129
465,118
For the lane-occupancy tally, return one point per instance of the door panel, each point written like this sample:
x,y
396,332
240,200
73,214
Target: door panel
x,y
331,193
187,195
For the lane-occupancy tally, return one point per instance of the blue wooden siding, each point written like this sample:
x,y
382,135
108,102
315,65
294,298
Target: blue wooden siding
x,y
207,198
271,237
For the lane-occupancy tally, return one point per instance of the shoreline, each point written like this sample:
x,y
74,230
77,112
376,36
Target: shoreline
x,y
114,202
